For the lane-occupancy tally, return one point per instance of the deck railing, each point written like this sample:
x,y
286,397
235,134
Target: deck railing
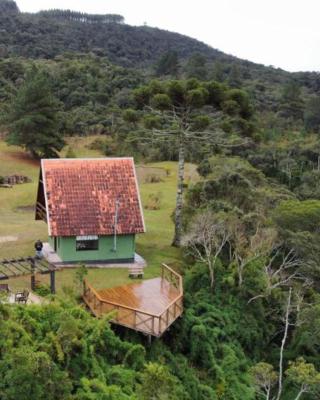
x,y
148,323
41,211
172,277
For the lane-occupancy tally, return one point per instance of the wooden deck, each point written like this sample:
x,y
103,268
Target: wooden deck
x,y
150,306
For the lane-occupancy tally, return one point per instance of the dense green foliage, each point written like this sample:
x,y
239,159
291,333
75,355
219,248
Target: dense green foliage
x,y
207,355
33,117
271,244
89,89
56,350
51,33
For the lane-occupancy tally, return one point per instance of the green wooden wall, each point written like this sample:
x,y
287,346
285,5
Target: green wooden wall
x,y
66,249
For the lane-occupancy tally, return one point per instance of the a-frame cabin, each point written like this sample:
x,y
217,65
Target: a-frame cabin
x,y
92,208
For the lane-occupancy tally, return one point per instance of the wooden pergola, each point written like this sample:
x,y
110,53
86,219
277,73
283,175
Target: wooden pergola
x,y
28,266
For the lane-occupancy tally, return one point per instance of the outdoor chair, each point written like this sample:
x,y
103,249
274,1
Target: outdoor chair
x,y
136,272
4,288
21,297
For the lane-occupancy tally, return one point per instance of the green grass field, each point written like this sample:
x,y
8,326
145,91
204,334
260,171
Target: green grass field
x,y
17,218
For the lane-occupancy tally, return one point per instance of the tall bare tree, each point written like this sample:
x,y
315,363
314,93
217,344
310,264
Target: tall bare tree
x,y
249,241
282,269
206,239
283,342
265,378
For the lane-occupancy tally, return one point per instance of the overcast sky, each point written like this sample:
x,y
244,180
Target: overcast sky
x,y
282,33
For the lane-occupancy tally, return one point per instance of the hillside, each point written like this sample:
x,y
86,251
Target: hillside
x,y
47,34
50,33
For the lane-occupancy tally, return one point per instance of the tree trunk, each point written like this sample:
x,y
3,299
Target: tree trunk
x,y
285,335
211,272
268,394
240,276
240,267
179,199
300,394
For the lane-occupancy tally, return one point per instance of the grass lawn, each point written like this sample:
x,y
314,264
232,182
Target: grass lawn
x,y
17,218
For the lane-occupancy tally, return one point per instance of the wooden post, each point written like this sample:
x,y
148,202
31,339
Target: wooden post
x,y
153,324
33,278
94,302
117,315
53,281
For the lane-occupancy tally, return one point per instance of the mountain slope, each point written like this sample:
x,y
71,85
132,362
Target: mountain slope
x,y
47,34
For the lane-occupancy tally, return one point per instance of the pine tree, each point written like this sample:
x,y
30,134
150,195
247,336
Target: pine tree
x,y
292,103
168,64
197,67
33,117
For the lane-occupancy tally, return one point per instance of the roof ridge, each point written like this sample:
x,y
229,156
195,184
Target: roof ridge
x,y
88,159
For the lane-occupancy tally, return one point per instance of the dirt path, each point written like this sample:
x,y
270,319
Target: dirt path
x,y
5,239
34,299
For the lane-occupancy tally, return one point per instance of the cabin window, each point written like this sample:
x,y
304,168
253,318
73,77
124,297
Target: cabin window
x,y
84,243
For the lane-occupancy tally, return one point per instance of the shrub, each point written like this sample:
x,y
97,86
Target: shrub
x,y
97,144
43,290
154,201
70,153
106,146
153,178
297,215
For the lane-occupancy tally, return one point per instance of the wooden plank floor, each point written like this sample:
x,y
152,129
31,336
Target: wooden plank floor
x,y
152,295
149,306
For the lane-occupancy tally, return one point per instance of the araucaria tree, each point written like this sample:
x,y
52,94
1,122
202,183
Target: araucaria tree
x,y
189,112
32,119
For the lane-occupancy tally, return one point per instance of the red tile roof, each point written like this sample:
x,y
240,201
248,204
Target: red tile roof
x,y
81,196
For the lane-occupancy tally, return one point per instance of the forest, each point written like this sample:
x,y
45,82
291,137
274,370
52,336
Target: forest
x,y
247,229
